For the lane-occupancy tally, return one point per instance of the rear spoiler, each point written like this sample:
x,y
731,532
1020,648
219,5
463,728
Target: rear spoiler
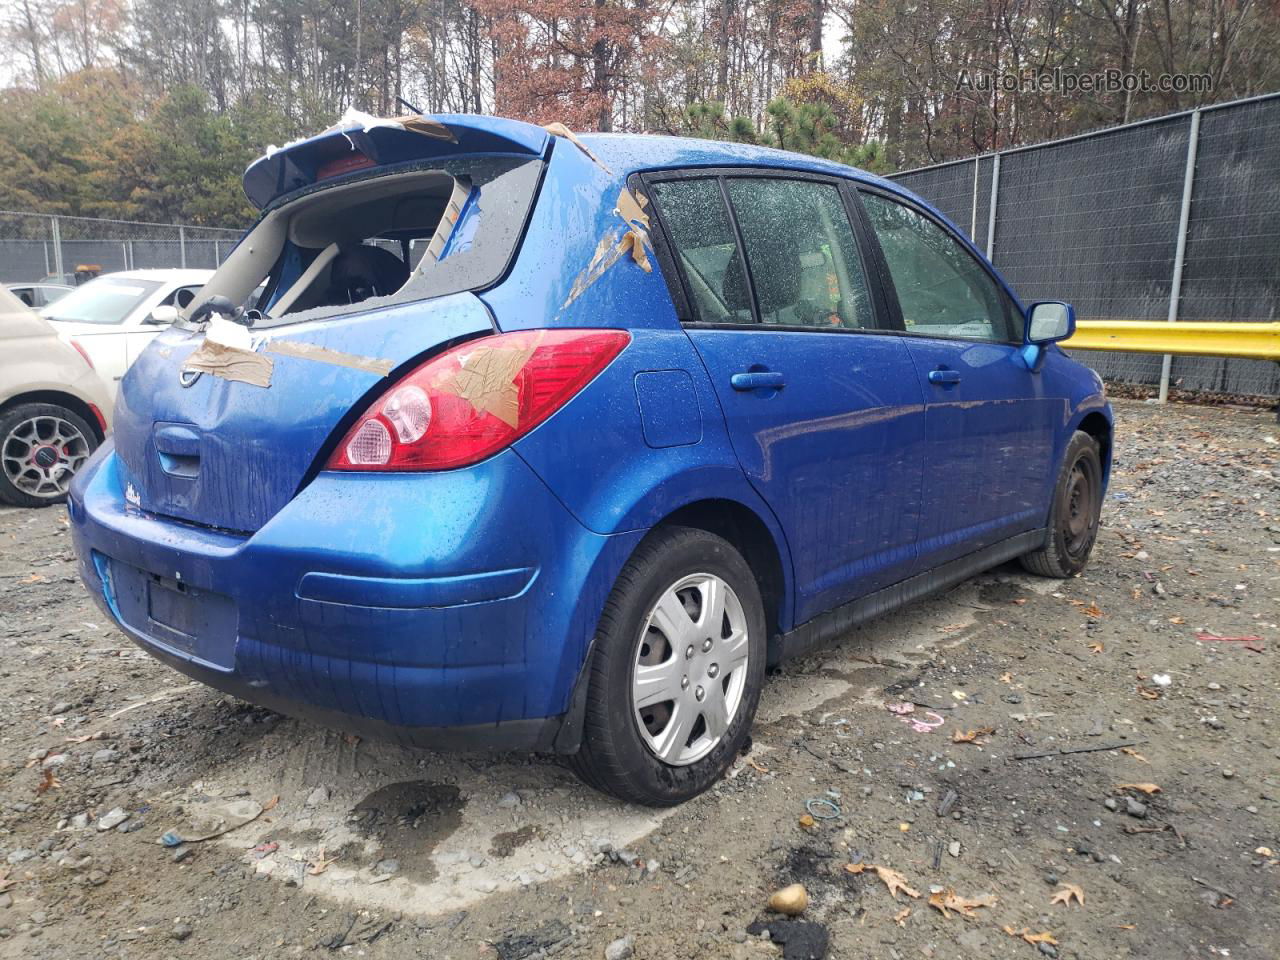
x,y
360,140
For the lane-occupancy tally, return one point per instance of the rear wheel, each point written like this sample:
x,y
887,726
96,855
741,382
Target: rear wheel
x,y
1074,514
676,671
41,448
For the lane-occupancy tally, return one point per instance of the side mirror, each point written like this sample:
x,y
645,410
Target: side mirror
x,y
162,316
1050,321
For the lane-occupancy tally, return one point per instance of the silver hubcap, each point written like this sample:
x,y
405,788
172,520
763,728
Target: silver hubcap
x,y
40,455
690,669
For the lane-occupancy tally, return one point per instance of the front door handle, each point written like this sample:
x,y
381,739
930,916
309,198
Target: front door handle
x,y
944,376
766,380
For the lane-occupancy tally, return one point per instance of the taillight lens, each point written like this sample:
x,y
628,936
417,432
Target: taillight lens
x,y
83,352
474,400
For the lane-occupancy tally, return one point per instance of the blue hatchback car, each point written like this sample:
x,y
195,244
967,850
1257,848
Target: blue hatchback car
x,y
554,443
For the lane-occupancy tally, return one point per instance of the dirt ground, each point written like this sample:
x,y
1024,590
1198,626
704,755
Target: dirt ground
x,y
361,849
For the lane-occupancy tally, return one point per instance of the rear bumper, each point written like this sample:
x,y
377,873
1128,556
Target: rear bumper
x,y
450,609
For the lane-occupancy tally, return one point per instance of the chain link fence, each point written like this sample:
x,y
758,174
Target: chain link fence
x,y
1174,218
36,246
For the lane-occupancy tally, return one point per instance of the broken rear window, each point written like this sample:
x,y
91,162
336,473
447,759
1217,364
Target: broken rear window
x,y
386,238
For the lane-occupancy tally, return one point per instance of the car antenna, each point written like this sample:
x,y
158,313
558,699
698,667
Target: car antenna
x,y
406,103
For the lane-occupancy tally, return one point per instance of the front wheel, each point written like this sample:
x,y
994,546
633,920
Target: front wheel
x,y
1074,514
676,671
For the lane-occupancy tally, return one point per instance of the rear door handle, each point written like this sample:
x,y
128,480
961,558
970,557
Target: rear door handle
x,y
756,381
944,376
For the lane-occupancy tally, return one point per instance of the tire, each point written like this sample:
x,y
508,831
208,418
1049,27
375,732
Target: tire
x,y
1074,513
41,447
666,750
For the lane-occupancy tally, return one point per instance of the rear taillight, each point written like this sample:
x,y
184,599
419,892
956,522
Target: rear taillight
x,y
83,352
474,400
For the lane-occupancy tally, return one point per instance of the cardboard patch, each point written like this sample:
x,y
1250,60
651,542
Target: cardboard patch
x,y
311,351
617,243
416,123
231,363
558,129
487,381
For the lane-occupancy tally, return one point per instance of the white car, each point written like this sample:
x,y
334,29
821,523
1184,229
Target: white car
x,y
110,317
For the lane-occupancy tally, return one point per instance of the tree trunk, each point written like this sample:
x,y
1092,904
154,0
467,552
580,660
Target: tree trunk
x,y
818,14
600,73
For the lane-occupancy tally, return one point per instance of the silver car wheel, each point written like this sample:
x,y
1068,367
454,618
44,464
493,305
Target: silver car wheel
x,y
690,669
40,455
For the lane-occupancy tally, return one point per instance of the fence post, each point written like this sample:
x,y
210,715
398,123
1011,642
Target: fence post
x,y
217,255
56,236
182,246
130,249
1179,253
973,211
991,210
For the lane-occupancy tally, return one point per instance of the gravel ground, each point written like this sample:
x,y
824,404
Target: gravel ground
x,y
1157,842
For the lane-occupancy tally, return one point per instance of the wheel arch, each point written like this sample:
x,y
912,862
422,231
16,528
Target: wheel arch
x,y
58,398
1099,426
751,536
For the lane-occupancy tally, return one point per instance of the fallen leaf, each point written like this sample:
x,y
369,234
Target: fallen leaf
x,y
1031,938
1147,788
1178,620
6,881
1068,891
1096,647
949,900
807,822
96,735
756,766
1135,754
320,864
34,759
891,878
1126,926
271,804
48,781
1092,610
1147,693
971,736
900,918
34,578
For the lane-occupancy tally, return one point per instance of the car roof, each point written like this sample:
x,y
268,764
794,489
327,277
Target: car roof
x,y
626,153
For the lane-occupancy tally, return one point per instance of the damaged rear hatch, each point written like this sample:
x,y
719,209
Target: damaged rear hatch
x,y
373,237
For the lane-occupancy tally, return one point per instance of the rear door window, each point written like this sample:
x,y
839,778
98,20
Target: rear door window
x,y
702,233
801,250
802,266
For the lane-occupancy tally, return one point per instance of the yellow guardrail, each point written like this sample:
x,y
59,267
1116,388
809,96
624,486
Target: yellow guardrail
x,y
1254,341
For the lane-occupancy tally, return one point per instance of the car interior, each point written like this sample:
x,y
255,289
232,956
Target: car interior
x,y
345,245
